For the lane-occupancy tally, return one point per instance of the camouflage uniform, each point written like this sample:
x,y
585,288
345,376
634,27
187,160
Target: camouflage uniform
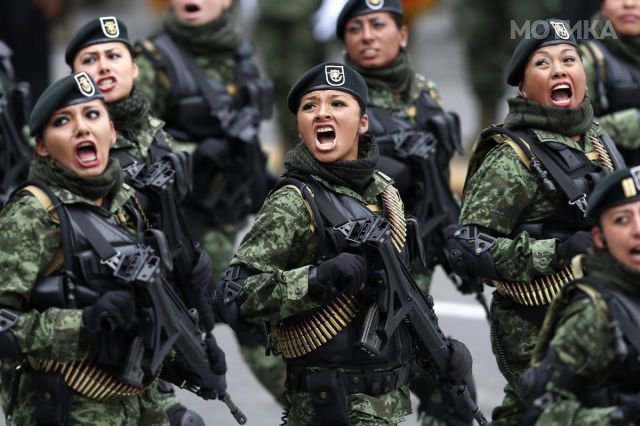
x,y
485,30
280,247
616,108
287,24
29,239
500,196
578,326
219,240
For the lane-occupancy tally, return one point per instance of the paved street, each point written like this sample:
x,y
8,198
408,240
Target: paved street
x,y
438,55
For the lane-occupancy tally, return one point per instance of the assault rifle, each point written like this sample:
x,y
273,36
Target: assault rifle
x,y
400,301
169,326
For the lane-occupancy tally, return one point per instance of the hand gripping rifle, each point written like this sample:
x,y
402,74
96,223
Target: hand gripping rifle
x,y
401,301
159,180
168,325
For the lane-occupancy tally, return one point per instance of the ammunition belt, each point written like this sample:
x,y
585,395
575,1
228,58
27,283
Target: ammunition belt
x,y
88,380
540,291
300,336
370,382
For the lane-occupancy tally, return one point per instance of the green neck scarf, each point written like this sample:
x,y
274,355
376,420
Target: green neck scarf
x,y
628,48
51,172
601,264
131,112
527,114
396,77
354,174
215,38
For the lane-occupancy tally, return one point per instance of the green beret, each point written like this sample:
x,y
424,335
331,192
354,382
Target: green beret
x,y
620,187
104,29
362,7
329,76
72,89
540,34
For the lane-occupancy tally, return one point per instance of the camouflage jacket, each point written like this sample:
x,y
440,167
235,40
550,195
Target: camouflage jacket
x,y
623,126
156,85
280,246
578,329
503,194
386,99
29,240
139,140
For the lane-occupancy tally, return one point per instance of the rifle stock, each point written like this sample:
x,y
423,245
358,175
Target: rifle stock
x,y
401,301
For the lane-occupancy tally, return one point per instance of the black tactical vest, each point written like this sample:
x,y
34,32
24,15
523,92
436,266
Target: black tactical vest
x,y
84,277
617,81
195,115
341,350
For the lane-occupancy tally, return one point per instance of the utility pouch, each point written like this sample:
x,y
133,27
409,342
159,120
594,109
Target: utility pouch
x,y
329,398
52,401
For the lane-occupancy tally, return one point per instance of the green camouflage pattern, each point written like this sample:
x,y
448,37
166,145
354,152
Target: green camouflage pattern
x,y
287,24
386,99
139,141
29,239
502,194
280,246
485,29
623,126
219,242
388,409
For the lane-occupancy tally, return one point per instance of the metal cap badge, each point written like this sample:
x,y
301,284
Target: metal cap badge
x,y
334,74
85,85
109,25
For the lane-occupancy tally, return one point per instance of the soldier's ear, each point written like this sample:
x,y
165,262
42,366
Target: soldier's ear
x,y
41,149
599,240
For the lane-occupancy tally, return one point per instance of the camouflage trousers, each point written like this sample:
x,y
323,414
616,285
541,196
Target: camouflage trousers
x,y
513,340
388,409
147,408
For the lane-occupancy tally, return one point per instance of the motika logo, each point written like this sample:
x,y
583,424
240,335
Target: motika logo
x,y
583,29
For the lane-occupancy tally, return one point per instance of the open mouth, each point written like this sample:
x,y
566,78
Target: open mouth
x,y
106,84
561,95
192,8
325,138
87,154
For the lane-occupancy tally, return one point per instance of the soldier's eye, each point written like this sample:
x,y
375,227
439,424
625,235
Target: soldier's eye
x,y
378,24
354,28
307,106
60,121
92,113
540,62
88,60
570,59
338,104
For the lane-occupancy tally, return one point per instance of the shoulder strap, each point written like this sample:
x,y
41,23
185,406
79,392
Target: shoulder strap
x,y
594,51
159,147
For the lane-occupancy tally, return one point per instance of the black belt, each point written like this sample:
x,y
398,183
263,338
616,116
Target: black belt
x,y
371,382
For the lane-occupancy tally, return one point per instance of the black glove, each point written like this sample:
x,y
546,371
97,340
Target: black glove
x,y
202,272
465,260
183,166
574,245
346,272
115,310
459,365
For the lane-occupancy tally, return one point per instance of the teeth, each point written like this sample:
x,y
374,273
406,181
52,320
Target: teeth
x,y
85,144
561,86
324,129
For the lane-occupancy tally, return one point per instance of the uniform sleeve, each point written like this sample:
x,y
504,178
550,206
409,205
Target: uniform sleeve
x,y
28,242
579,336
623,127
153,84
497,198
278,247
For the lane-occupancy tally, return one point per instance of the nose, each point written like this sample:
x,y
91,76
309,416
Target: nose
x,y
323,110
82,127
103,65
558,69
635,230
629,3
367,33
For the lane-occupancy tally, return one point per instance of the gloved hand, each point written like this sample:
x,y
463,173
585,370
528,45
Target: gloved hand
x,y
574,245
460,361
183,166
115,310
347,272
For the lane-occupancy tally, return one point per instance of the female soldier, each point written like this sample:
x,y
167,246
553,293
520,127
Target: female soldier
x,y
67,324
586,361
299,276
416,139
201,78
523,205
612,63
102,49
